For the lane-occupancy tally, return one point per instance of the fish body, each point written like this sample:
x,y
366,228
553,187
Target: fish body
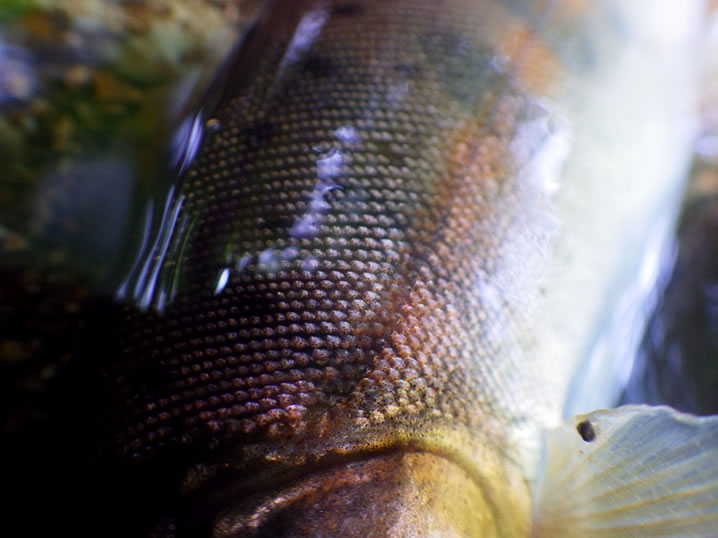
x,y
379,275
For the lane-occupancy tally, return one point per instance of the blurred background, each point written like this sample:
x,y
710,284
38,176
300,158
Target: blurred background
x,y
90,93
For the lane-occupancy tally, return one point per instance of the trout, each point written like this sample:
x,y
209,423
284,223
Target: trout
x,y
379,290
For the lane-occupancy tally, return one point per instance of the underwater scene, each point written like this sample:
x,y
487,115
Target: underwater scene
x,y
359,267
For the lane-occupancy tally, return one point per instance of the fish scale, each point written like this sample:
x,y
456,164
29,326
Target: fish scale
x,y
382,239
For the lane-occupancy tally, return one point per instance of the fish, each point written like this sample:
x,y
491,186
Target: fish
x,y
385,294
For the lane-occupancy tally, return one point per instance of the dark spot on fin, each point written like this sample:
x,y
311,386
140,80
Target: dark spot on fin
x,y
586,431
319,66
348,9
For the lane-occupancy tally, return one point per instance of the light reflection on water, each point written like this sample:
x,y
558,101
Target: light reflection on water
x,y
142,285
186,142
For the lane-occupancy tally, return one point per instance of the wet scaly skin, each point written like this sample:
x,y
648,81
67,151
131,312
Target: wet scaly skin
x,y
355,257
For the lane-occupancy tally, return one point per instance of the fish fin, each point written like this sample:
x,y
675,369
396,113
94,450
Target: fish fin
x,y
633,471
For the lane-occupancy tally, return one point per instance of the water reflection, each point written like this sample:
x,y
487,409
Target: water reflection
x,y
143,284
541,146
309,223
307,31
186,142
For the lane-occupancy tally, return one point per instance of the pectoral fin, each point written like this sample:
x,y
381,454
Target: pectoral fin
x,y
633,471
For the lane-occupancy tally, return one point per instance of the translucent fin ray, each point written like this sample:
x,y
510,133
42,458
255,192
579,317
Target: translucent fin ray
x,y
633,471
